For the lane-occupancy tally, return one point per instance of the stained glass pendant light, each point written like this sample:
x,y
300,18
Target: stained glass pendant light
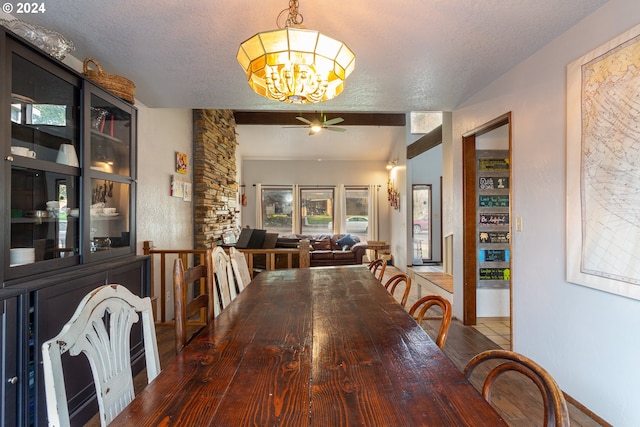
x,y
294,64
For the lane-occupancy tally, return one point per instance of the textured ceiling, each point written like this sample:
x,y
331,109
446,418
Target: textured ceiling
x,y
414,55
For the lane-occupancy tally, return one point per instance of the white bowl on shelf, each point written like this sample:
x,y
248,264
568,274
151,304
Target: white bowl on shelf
x,y
20,256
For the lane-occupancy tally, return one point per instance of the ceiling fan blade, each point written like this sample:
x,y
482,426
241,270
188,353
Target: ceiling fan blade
x,y
336,129
334,121
303,120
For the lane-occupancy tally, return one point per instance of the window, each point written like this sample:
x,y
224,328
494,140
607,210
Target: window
x,y
277,210
357,212
316,210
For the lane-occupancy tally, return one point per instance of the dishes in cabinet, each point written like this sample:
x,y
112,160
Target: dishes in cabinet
x,y
23,151
97,209
21,256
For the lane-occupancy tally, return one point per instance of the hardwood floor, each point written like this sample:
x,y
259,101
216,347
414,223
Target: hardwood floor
x,y
515,398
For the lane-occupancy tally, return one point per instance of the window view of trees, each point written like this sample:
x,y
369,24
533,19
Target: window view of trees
x,y
277,210
39,114
316,210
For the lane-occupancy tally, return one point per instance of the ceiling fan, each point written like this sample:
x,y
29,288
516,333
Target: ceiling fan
x,y
316,125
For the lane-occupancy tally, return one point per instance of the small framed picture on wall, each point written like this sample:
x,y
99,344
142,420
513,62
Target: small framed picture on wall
x,y
181,163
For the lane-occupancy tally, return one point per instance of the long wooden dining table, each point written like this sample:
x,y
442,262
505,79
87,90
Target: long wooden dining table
x,y
324,346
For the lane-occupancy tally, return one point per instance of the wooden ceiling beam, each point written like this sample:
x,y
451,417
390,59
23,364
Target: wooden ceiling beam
x,y
282,118
427,142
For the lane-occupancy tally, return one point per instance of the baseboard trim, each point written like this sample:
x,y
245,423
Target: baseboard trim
x,y
586,411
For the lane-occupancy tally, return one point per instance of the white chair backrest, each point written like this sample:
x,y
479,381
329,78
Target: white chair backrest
x,y
224,276
240,268
107,346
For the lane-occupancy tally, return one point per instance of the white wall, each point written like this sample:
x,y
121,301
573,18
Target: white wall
x,y
166,220
311,172
587,339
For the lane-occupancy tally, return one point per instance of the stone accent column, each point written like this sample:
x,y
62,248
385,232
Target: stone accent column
x,y
215,189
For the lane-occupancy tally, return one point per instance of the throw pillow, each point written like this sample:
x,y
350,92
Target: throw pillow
x,y
347,241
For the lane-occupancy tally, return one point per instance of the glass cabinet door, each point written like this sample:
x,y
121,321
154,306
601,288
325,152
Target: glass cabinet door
x,y
45,169
110,134
109,215
44,114
110,137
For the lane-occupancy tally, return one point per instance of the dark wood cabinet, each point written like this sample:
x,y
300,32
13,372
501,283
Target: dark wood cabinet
x,y
67,206
14,377
52,302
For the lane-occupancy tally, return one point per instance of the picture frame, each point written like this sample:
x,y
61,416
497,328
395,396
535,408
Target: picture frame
x,y
602,176
186,192
177,187
181,163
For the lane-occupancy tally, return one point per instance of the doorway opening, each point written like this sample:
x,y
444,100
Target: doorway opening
x,y
487,254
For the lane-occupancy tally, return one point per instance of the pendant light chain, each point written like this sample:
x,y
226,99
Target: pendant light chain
x,y
294,18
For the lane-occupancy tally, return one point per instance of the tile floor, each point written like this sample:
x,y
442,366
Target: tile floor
x,y
497,329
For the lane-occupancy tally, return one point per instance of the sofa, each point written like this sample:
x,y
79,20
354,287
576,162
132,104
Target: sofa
x,y
328,250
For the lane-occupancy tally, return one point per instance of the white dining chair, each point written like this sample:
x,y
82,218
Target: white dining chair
x,y
100,328
224,276
240,268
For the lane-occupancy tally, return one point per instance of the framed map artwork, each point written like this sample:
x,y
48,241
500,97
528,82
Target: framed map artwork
x,y
603,167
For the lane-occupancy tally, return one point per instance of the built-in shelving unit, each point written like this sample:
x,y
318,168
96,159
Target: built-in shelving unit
x,y
68,218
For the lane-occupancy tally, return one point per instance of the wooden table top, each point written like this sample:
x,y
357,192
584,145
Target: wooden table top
x,y
323,346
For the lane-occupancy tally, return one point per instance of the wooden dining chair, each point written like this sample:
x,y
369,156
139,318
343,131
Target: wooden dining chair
x,y
397,281
240,268
100,328
419,309
224,276
556,413
185,307
378,264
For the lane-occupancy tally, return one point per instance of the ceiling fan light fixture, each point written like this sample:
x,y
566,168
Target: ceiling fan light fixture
x,y
294,64
315,127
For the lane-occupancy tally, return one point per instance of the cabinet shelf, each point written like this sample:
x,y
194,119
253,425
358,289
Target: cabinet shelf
x,y
105,218
102,135
37,220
